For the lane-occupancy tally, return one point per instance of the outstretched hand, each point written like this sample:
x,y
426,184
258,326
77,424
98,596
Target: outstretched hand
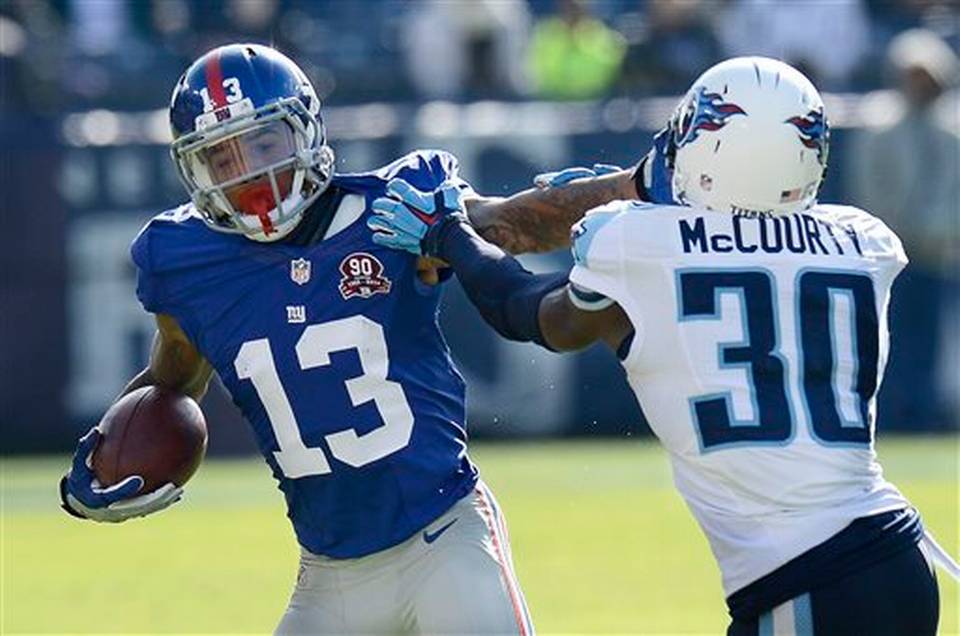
x,y
563,177
405,216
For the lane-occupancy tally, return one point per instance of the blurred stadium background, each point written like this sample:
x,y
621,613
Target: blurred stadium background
x,y
512,87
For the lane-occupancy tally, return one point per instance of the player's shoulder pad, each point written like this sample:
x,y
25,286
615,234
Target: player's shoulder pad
x,y
426,166
606,218
852,215
423,169
879,235
179,214
183,218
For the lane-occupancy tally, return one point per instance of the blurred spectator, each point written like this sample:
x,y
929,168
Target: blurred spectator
x,y
222,21
574,55
907,171
98,28
32,54
824,39
466,49
891,17
669,46
114,58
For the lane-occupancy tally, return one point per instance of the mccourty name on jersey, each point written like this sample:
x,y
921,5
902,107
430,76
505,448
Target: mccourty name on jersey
x,y
795,233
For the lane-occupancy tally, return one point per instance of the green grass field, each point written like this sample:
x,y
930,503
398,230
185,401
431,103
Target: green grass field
x,y
601,542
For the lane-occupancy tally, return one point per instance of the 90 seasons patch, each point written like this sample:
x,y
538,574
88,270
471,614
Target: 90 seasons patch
x,y
362,276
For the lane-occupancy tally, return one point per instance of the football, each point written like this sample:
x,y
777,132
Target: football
x,y
153,432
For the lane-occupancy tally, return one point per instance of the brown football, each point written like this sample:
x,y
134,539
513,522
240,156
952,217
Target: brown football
x,y
153,432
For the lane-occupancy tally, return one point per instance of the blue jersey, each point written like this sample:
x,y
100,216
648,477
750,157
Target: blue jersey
x,y
333,353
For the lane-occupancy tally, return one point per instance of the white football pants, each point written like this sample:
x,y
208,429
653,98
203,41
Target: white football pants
x,y
454,577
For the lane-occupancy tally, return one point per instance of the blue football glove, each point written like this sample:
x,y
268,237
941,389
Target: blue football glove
x,y
656,169
82,496
563,177
405,216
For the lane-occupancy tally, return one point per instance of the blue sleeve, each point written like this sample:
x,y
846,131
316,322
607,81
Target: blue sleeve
x,y
582,296
587,299
505,293
148,287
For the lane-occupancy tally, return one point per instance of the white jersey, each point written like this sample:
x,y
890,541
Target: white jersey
x,y
759,346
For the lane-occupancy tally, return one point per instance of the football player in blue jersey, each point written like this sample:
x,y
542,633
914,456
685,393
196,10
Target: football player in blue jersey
x,y
329,344
751,322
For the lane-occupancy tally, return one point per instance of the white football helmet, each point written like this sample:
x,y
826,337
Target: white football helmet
x,y
751,137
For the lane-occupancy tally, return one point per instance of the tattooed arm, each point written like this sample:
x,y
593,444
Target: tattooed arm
x,y
174,363
539,220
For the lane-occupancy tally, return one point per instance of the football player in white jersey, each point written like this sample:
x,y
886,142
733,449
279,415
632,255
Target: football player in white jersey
x,y
752,323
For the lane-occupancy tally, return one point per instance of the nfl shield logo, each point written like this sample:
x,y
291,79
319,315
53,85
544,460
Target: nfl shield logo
x,y
300,271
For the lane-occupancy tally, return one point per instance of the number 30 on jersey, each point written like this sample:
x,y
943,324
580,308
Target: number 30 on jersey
x,y
830,376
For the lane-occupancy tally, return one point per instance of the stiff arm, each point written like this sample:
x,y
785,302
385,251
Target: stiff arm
x,y
539,220
519,304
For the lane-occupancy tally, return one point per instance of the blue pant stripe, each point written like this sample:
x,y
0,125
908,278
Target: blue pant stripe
x,y
765,624
802,616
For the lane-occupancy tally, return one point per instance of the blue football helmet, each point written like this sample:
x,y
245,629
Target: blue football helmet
x,y
249,142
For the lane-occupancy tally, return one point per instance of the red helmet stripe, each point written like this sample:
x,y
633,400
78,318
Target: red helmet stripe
x,y
214,78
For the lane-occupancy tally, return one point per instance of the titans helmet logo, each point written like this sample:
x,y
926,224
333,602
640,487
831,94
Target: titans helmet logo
x,y
704,111
814,133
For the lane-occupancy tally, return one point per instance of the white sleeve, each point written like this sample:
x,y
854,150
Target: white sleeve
x,y
595,280
600,271
889,250
587,299
900,254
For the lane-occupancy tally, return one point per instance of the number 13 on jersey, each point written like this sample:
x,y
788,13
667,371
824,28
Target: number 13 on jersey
x,y
255,362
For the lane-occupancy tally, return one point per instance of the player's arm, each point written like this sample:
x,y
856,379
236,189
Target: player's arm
x,y
566,327
175,364
519,304
539,219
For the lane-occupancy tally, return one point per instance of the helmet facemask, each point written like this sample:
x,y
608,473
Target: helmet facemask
x,y
257,172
